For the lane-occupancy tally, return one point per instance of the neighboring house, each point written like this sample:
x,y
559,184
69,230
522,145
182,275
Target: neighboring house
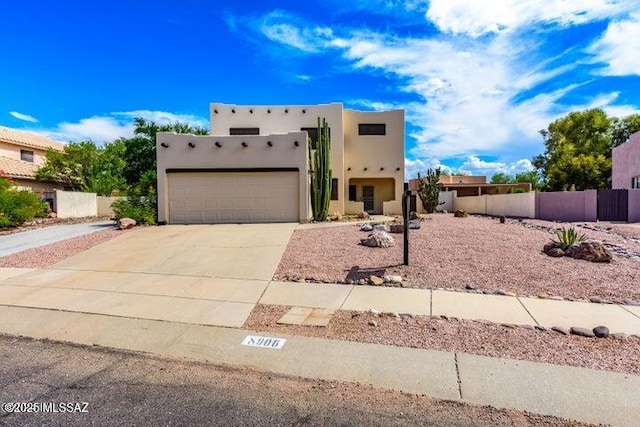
x,y
626,164
254,167
473,185
21,154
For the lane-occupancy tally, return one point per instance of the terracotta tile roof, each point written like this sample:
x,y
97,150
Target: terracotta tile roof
x,y
28,139
17,168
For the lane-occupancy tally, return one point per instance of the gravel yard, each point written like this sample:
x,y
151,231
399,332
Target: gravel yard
x,y
486,339
479,252
46,256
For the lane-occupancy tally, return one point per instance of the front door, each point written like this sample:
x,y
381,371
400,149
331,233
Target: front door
x,y
367,198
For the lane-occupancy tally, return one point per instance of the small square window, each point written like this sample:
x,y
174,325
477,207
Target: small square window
x,y
26,156
334,189
244,131
635,182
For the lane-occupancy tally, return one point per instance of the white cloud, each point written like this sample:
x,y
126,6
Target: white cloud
x,y
414,166
476,18
283,28
476,166
23,117
101,129
618,47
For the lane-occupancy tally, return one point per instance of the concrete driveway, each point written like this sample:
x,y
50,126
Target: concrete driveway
x,y
197,274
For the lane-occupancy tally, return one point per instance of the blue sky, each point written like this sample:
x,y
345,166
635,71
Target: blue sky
x,y
478,79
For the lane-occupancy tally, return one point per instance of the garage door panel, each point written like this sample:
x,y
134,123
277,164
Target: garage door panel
x,y
211,197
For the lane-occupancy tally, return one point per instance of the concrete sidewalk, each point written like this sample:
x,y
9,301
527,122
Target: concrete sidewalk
x,y
568,392
30,239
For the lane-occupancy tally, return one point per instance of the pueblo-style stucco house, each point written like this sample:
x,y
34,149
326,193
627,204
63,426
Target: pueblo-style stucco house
x,y
254,167
626,164
21,154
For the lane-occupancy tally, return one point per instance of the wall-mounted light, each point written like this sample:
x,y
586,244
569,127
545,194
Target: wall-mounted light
x,y
192,145
215,111
286,110
244,145
165,145
366,168
381,169
270,144
218,144
233,110
397,169
296,143
251,111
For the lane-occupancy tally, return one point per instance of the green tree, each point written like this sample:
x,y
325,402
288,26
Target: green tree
x,y
501,178
429,189
532,177
577,151
83,166
621,129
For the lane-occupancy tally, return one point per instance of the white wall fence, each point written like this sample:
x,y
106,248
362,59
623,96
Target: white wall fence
x,y
75,204
521,205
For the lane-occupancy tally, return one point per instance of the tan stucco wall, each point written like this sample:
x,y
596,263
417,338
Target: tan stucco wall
x,y
381,155
12,151
74,204
205,155
272,119
383,191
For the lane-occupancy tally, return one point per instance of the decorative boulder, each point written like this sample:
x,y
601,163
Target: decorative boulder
x,y
414,224
381,227
413,215
378,239
553,249
363,215
396,228
126,223
392,279
460,214
366,227
375,280
589,251
52,215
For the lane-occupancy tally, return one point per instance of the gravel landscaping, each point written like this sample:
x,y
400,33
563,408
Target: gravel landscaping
x,y
481,338
46,256
473,254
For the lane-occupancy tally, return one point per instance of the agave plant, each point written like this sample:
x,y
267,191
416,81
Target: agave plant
x,y
568,237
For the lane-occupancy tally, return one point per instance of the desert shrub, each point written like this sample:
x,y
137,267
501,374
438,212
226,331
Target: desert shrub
x,y
18,206
141,208
568,237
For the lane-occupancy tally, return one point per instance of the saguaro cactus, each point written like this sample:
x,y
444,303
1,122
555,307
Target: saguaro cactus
x,y
320,164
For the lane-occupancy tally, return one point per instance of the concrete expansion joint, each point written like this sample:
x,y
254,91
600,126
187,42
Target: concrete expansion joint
x,y
528,312
455,358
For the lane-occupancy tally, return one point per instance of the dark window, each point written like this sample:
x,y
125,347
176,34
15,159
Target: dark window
x,y
244,131
334,189
635,182
26,156
352,193
372,129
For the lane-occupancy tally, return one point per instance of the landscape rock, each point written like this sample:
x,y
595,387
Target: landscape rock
x,y
413,215
366,227
601,331
631,302
373,323
553,249
470,287
414,224
589,251
52,215
392,279
396,228
501,292
378,239
363,215
561,329
619,336
460,214
583,332
126,223
375,280
381,227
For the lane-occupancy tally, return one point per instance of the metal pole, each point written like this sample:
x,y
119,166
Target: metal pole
x,y
405,214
